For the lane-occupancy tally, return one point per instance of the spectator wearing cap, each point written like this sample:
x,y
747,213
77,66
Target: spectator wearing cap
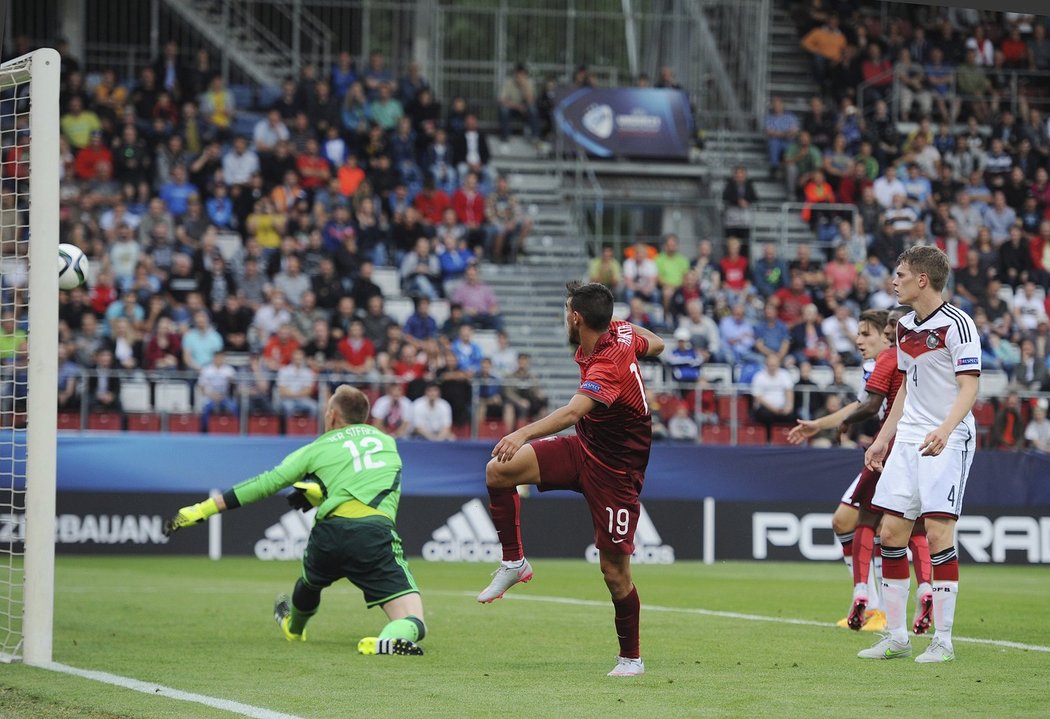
x,y
517,100
683,359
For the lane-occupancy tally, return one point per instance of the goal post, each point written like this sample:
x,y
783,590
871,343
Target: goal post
x,y
29,105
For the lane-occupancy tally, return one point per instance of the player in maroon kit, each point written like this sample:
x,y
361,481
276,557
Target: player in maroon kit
x,y
605,460
881,388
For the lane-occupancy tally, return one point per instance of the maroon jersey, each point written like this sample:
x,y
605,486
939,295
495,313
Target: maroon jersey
x,y
885,379
618,432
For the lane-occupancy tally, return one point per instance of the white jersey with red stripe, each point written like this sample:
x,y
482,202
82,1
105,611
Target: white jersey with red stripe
x,y
931,353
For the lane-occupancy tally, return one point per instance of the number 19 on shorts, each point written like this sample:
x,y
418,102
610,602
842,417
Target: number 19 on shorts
x,y
619,521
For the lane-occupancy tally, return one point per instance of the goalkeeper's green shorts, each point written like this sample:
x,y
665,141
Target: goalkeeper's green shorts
x,y
365,550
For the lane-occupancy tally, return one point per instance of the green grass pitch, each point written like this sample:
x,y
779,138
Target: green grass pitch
x,y
205,627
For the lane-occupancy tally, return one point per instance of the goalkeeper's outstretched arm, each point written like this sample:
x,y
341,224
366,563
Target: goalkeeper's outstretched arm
x,y
195,514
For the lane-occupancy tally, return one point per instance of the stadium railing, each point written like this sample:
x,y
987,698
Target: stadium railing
x,y
718,402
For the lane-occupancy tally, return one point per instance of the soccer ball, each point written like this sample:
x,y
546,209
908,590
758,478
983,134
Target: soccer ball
x,y
72,267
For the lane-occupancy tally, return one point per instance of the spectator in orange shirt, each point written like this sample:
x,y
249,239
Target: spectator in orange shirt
x,y
826,44
816,192
350,175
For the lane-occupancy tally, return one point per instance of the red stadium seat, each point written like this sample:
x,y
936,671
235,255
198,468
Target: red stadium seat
x,y
184,423
983,413
300,425
462,431
224,424
751,434
143,422
714,434
780,435
69,420
491,429
725,403
104,421
264,424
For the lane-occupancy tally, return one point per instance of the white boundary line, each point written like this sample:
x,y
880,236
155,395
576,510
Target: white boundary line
x,y
158,690
734,615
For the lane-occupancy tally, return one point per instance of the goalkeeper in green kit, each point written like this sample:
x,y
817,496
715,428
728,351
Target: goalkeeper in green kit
x,y
352,474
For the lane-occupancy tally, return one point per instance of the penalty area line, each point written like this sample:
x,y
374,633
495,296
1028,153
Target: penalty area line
x,y
162,691
738,615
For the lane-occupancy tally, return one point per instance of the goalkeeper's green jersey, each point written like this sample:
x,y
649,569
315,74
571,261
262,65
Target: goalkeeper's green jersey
x,y
353,462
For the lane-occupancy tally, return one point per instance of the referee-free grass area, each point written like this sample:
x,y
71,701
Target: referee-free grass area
x,y
205,627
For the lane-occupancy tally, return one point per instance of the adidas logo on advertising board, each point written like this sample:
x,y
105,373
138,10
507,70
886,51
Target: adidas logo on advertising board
x,y
287,538
649,547
467,536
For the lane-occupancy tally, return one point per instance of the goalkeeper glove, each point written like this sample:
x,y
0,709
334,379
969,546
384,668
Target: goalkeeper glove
x,y
193,514
306,496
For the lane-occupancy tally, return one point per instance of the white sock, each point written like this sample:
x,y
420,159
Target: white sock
x,y
849,564
944,595
875,576
513,563
895,601
923,588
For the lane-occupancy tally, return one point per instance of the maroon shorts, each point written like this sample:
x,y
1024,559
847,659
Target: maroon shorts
x,y
865,488
611,494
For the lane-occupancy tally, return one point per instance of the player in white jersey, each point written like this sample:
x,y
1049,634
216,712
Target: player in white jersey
x,y
939,352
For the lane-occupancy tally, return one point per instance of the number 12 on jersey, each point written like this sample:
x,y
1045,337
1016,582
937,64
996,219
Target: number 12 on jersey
x,y
362,456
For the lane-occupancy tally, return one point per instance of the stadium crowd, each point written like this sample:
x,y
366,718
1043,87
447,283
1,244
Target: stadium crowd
x,y
959,157
233,242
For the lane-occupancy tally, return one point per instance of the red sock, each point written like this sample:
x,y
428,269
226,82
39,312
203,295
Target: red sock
x,y
628,610
946,565
894,562
505,508
920,556
863,548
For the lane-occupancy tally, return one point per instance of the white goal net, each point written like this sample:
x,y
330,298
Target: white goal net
x,y
29,192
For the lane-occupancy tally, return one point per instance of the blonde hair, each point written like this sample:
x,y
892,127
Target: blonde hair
x,y
351,404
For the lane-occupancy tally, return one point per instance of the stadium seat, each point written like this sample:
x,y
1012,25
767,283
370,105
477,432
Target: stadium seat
x,y
104,421
399,308
184,423
486,340
224,424
439,310
134,396
780,435
983,413
69,420
171,397
751,434
264,424
994,383
714,434
491,429
388,281
725,404
300,425
462,431
822,375
716,372
143,422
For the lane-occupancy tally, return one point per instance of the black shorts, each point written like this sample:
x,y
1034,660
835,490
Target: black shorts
x,y
366,550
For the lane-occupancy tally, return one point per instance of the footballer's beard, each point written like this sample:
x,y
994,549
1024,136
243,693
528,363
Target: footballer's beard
x,y
574,336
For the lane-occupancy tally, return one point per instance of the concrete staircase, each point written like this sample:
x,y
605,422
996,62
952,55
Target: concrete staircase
x,y
532,291
725,150
790,69
256,51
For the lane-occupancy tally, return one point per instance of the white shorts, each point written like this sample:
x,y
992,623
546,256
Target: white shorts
x,y
847,498
914,486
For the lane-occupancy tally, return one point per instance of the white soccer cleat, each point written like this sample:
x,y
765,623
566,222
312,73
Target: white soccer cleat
x,y
939,651
627,667
503,579
887,648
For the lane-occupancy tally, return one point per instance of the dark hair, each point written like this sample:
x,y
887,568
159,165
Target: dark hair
x,y
594,302
351,404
